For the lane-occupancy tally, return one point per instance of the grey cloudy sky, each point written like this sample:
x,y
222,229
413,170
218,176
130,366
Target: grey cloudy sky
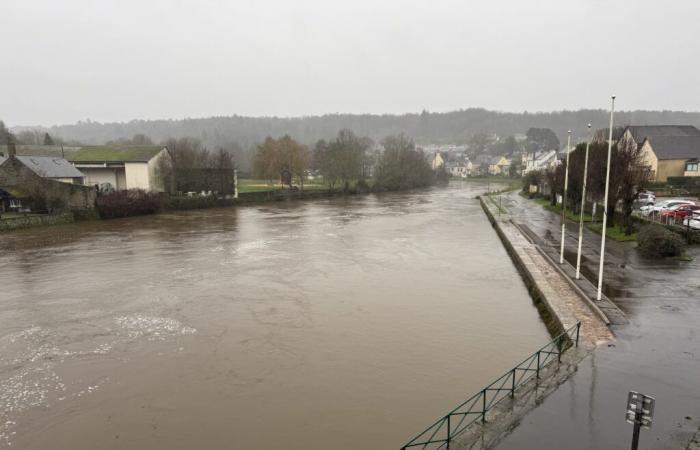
x,y
69,60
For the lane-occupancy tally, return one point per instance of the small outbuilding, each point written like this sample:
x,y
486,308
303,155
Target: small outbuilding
x,y
122,167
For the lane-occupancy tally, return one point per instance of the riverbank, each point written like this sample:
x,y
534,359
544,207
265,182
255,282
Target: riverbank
x,y
550,287
657,353
561,308
170,204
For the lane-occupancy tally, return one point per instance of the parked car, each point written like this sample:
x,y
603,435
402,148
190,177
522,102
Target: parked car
x,y
646,198
680,211
664,205
694,222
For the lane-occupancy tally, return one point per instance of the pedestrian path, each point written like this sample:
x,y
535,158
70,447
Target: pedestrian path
x,y
560,297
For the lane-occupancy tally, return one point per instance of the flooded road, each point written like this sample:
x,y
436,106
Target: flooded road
x,y
342,323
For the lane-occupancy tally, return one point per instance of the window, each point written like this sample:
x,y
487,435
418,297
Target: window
x,y
691,167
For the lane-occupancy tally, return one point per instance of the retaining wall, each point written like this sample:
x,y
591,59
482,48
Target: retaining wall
x,y
17,223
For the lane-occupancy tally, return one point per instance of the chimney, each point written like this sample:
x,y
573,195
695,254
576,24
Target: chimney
x,y
11,151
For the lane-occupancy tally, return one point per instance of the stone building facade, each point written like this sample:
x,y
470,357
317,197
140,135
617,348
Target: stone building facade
x,y
42,194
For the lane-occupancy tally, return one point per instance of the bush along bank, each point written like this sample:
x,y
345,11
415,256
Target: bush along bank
x,y
655,241
132,202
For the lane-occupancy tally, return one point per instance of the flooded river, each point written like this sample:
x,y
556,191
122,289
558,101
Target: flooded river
x,y
345,323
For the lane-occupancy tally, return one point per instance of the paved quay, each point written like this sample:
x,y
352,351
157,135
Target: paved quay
x,y
657,352
564,303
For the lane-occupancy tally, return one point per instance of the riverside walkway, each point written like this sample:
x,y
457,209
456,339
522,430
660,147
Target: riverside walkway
x,y
565,304
657,352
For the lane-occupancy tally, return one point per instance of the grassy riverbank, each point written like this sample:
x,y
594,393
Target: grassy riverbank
x,y
616,233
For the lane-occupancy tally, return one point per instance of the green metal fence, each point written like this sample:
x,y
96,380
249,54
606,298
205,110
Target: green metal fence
x,y
440,434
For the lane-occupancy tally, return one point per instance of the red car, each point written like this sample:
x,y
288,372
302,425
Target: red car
x,y
680,212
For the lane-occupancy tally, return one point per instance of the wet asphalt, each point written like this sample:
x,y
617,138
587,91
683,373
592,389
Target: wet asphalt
x,y
658,353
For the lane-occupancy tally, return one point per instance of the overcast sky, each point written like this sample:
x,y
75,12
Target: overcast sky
x,y
70,60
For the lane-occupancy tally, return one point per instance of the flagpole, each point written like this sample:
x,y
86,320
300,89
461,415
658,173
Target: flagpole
x,y
563,200
605,207
583,207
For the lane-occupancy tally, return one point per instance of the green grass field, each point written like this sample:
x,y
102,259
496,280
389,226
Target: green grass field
x,y
571,215
615,233
254,185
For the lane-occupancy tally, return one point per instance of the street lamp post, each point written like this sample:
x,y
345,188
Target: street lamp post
x,y
563,200
605,205
583,207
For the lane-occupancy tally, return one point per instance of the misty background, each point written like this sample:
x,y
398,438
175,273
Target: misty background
x,y
236,72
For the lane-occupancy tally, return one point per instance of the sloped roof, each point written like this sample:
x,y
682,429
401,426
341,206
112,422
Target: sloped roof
x,y
103,153
48,167
640,132
644,131
675,147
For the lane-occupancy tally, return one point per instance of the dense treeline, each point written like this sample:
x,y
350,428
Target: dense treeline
x,y
426,127
347,159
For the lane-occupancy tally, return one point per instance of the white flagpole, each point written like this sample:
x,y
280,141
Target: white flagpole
x,y
605,206
583,207
563,200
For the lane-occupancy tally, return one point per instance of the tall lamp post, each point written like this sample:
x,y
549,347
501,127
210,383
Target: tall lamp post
x,y
583,207
563,200
605,205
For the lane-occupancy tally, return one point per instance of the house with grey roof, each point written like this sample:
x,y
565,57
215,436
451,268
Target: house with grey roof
x,y
41,184
53,168
669,150
122,167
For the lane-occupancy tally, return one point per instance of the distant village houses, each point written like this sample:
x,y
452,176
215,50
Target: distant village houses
x,y
541,160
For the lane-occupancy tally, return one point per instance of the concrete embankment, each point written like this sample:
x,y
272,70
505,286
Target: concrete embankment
x,y
560,302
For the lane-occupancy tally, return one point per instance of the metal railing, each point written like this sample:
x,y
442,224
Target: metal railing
x,y
440,434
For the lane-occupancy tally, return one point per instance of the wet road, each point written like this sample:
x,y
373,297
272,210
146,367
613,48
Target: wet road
x,y
344,323
657,354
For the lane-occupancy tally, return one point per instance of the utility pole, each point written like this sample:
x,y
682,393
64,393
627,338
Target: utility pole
x,y
605,205
563,200
583,207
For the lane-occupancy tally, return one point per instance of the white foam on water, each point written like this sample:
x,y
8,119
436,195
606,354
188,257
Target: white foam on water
x,y
154,328
29,358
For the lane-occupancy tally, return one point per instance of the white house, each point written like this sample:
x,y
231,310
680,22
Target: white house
x,y
122,167
439,160
539,161
459,168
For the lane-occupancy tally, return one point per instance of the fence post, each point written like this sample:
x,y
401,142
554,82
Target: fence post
x,y
559,349
578,327
483,414
512,388
538,364
448,432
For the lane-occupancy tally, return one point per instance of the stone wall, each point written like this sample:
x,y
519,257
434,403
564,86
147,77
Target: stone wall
x,y
35,221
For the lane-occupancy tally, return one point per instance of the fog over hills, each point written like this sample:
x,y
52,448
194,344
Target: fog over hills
x,y
426,127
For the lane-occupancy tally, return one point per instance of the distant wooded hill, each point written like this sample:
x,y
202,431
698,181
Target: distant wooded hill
x,y
452,127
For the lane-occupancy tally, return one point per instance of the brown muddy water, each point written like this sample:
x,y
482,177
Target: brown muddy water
x,y
345,323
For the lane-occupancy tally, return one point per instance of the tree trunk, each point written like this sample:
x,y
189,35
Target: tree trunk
x,y
627,218
611,215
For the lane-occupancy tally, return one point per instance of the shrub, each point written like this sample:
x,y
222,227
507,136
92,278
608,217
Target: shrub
x,y
132,202
656,241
